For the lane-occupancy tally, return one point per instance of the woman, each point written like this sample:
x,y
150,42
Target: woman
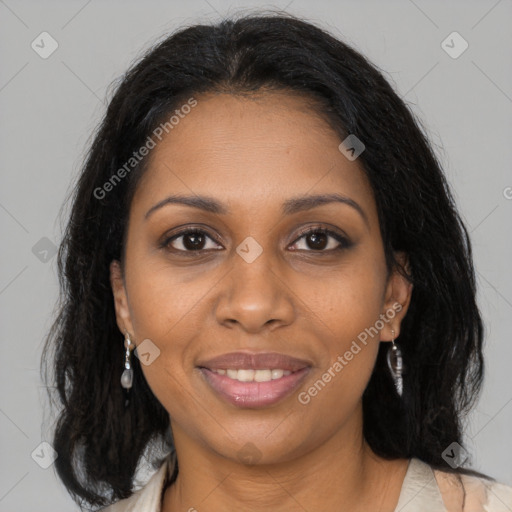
x,y
267,291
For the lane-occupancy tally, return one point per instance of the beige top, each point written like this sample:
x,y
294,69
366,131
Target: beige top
x,y
423,490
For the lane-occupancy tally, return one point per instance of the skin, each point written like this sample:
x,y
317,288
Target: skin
x,y
251,154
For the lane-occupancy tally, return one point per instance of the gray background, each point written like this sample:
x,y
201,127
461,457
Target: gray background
x,y
51,106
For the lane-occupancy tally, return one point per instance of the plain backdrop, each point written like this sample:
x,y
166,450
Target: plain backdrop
x,y
50,106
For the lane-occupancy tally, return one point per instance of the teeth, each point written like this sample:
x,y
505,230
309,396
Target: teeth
x,y
246,375
277,374
253,375
262,375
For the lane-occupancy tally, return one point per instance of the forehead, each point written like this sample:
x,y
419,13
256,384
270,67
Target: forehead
x,y
251,153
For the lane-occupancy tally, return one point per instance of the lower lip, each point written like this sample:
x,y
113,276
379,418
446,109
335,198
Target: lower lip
x,y
254,394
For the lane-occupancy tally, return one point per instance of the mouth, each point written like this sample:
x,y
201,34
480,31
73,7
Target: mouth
x,y
252,380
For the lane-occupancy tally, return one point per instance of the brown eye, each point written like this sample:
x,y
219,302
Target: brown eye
x,y
190,240
322,240
317,240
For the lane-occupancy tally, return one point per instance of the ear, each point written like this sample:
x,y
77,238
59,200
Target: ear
x,y
397,299
120,298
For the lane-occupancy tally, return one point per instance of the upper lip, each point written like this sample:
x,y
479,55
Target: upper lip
x,y
255,361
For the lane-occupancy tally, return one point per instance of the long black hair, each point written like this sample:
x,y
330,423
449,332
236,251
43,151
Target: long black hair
x,y
98,439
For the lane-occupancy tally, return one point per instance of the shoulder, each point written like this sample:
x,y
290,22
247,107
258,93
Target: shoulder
x,y
146,499
435,490
473,493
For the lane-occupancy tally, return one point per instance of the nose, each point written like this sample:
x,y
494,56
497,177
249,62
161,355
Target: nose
x,y
255,296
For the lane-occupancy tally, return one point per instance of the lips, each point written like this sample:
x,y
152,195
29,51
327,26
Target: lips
x,y
255,361
291,372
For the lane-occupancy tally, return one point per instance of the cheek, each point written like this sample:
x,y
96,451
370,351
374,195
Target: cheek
x,y
162,300
348,309
349,300
165,312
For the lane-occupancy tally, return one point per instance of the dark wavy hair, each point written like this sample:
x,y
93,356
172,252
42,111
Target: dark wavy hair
x,y
99,439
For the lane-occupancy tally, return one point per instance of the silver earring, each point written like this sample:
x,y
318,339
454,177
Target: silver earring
x,y
127,376
395,363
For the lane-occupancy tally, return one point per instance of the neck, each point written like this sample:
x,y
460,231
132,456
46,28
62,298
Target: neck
x,y
343,474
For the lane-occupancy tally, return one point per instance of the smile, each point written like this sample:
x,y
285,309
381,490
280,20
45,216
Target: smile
x,y
253,379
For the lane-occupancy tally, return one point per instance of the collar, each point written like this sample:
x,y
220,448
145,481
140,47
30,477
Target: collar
x,y
420,492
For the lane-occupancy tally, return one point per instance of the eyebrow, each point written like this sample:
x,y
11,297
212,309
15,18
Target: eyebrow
x,y
289,207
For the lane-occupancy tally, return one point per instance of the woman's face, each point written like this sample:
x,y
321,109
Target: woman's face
x,y
250,281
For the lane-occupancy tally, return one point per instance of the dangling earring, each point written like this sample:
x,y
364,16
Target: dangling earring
x,y
127,376
395,363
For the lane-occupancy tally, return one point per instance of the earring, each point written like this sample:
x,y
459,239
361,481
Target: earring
x,y
395,363
127,376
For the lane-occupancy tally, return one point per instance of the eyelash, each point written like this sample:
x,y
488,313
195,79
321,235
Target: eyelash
x,y
344,242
